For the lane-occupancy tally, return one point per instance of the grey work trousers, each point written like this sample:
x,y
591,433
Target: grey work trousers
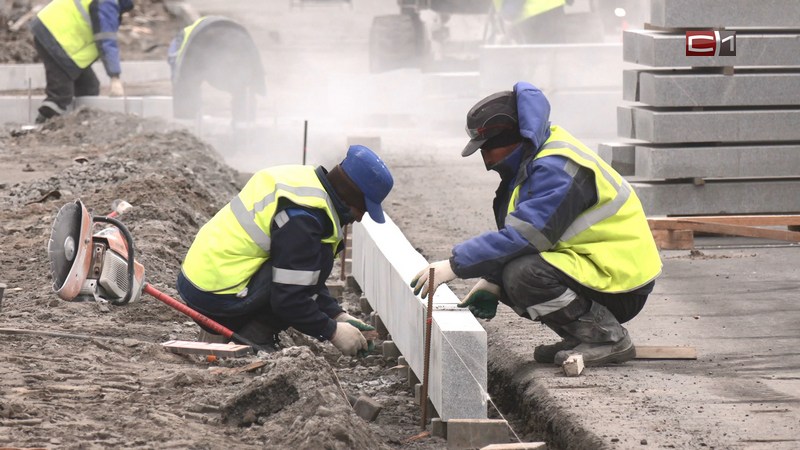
x,y
530,281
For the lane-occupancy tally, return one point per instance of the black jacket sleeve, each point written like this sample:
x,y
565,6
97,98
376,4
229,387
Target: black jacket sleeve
x,y
301,264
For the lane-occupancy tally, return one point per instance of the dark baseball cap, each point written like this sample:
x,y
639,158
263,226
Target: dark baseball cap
x,y
491,117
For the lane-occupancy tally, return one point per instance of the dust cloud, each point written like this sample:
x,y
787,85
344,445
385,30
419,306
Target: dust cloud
x,y
317,70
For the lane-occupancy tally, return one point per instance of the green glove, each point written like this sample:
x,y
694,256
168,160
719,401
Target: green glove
x,y
482,300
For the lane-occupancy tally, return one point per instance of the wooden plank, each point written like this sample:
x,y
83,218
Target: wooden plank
x,y
228,350
661,352
674,239
720,228
752,220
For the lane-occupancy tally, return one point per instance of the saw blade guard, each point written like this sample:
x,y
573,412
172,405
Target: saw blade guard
x,y
69,249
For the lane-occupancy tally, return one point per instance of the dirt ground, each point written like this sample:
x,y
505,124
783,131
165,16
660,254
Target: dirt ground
x,y
100,378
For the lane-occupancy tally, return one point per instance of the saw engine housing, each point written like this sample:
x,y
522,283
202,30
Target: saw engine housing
x,y
93,266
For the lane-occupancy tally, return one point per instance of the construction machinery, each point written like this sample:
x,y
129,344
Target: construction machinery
x,y
426,33
101,266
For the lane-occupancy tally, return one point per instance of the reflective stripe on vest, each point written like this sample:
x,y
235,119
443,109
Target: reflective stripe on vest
x,y
234,244
69,23
609,247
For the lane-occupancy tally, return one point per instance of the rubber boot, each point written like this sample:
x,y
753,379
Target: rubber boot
x,y
603,339
547,353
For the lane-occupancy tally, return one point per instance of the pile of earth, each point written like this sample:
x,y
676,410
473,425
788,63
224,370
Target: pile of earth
x,y
88,374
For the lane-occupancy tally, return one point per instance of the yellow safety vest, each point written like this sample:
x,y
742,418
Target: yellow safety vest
x,y
188,32
532,7
233,245
609,247
69,23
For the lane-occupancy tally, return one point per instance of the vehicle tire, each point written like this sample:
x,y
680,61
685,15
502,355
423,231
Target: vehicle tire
x,y
395,41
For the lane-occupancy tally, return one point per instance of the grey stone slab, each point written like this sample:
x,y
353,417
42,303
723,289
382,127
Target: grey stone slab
x,y
469,434
384,262
551,66
19,109
732,126
746,87
720,197
729,161
157,106
17,76
725,13
664,49
620,156
126,105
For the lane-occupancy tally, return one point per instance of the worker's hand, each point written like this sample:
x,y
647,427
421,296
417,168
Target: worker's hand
x,y
367,330
482,299
116,88
442,274
348,339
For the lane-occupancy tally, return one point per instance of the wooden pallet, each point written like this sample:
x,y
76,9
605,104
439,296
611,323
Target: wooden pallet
x,y
677,233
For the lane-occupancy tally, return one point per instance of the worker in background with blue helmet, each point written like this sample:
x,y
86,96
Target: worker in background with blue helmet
x,y
218,51
259,265
70,35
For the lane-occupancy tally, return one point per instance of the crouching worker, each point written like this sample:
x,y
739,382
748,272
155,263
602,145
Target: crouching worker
x,y
259,265
573,248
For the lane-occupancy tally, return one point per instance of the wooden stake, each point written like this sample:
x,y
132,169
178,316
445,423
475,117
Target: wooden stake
x,y
662,352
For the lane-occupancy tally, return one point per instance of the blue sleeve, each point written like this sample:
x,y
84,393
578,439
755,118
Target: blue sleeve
x,y
297,250
556,192
105,23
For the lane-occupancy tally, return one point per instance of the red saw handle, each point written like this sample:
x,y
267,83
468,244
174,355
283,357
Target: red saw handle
x,y
196,316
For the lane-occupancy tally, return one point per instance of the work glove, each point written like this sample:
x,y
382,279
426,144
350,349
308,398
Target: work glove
x,y
442,274
348,339
116,88
367,330
482,299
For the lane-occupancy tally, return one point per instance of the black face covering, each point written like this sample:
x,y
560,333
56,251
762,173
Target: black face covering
x,y
507,167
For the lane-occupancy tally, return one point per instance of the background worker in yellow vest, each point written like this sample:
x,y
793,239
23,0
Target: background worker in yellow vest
x,y
547,22
218,51
259,265
70,35
573,248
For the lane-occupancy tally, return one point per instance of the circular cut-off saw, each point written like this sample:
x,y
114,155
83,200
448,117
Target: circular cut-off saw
x,y
102,265
99,265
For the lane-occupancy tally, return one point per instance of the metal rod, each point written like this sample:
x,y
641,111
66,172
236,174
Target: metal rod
x,y
342,275
30,102
428,323
305,139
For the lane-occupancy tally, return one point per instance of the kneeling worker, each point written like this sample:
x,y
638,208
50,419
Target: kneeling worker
x,y
259,265
573,248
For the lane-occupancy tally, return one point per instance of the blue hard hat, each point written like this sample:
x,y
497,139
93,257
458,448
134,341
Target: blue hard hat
x,y
371,176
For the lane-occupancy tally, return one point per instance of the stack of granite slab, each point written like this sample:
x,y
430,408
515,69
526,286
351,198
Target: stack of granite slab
x,y
712,134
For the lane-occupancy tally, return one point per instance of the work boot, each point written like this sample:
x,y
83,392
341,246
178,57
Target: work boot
x,y
261,334
212,338
603,339
547,353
